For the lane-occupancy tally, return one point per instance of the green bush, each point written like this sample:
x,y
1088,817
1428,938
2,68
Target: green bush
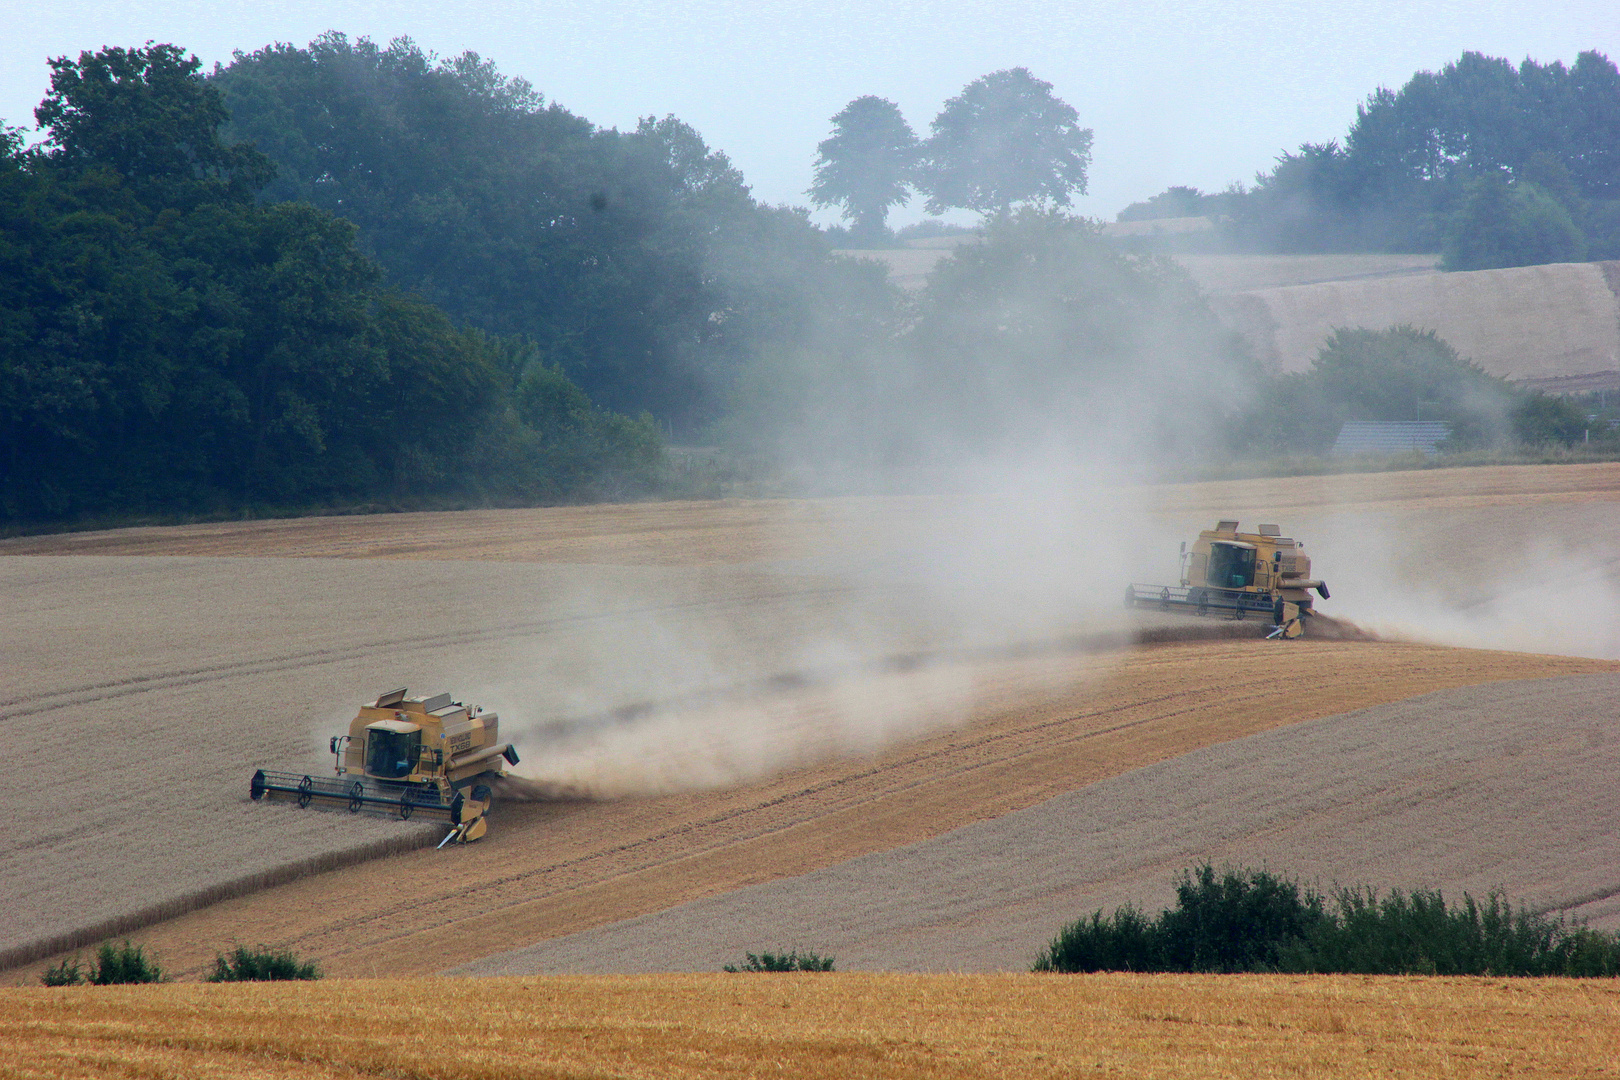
x,y
67,973
261,964
126,963
1247,920
788,961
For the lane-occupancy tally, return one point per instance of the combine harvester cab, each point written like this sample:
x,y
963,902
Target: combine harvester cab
x,y
1235,574
407,756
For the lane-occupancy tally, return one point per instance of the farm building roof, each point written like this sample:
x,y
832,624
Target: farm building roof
x,y
1390,436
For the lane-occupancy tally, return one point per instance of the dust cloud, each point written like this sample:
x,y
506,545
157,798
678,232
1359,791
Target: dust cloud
x,y
1020,421
1507,582
880,640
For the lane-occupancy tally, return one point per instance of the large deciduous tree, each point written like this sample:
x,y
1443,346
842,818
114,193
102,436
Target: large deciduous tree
x,y
865,166
148,116
636,260
1500,224
1415,156
170,343
1005,139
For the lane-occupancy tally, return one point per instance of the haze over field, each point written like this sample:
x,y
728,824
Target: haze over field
x,y
1202,94
341,276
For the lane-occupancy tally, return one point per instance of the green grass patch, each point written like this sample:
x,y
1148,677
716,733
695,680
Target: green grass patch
x,y
792,960
113,965
261,964
1255,921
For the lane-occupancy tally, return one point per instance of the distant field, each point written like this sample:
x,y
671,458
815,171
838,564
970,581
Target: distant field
x,y
870,1027
1556,326
1527,322
737,531
908,267
1234,273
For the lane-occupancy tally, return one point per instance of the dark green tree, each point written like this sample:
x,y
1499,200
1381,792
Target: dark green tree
x,y
865,166
637,261
1501,224
1043,330
1172,202
1005,139
1396,373
1415,155
147,115
169,343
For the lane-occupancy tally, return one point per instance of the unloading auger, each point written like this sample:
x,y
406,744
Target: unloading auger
x,y
1238,574
406,756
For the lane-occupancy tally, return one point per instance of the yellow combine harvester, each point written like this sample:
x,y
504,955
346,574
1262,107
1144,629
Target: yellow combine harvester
x,y
1238,573
404,755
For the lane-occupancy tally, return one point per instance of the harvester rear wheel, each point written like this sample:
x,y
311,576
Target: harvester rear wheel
x,y
306,791
482,793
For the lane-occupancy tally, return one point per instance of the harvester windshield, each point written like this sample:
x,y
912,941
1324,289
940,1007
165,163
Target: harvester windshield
x,y
392,749
1231,566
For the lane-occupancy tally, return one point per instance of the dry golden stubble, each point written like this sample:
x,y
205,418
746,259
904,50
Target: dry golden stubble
x,y
837,1025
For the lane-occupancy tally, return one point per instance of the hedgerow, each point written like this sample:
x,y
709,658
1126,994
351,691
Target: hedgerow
x,y
1255,921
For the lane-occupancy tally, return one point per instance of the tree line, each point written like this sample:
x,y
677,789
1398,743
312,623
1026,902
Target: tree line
x,y
636,261
346,273
1489,163
351,274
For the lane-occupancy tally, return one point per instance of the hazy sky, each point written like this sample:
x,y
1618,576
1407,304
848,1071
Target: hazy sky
x,y
1193,92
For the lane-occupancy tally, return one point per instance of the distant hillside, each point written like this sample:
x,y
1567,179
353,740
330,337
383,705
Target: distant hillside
x,y
1556,326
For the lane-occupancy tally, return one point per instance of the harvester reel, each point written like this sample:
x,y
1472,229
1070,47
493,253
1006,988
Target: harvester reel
x,y
357,797
306,788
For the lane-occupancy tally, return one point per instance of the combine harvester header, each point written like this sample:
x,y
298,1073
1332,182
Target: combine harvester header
x,y
404,755
1238,573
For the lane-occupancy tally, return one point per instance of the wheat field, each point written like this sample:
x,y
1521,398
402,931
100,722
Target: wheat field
x,y
166,663
1527,322
834,1026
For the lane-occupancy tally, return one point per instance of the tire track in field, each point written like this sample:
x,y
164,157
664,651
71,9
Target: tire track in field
x,y
770,826
89,693
589,864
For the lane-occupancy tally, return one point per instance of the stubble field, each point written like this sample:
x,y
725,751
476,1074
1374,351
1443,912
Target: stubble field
x,y
878,1026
